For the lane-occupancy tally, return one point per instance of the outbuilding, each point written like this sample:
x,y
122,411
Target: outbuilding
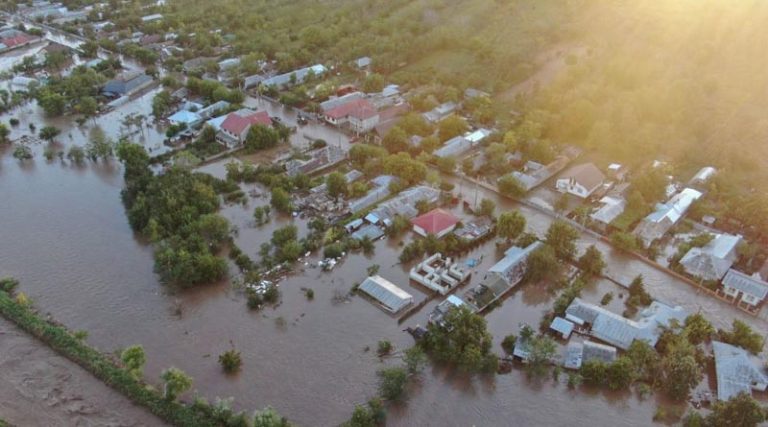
x,y
386,293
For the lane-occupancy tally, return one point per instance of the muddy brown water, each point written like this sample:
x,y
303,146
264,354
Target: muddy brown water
x,y
65,236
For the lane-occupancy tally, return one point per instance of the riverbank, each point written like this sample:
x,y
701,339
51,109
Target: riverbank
x,y
40,387
100,365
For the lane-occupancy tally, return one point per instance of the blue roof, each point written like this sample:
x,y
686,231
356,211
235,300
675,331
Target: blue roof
x,y
372,218
562,326
382,180
184,116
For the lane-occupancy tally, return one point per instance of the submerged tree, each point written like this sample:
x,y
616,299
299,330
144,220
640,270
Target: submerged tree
x,y
134,358
175,382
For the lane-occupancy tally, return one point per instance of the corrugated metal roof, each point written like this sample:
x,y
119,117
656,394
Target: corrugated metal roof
x,y
735,371
748,284
387,293
564,327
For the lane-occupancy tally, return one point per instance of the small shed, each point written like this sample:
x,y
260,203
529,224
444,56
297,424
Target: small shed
x,y
562,327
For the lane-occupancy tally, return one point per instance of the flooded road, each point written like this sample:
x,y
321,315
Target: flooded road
x,y
66,238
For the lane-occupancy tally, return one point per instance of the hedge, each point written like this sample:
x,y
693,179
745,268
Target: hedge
x,y
60,340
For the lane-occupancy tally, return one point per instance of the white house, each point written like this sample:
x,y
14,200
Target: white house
x,y
751,290
581,180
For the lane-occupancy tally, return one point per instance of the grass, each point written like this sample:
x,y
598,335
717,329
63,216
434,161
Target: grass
x,y
101,366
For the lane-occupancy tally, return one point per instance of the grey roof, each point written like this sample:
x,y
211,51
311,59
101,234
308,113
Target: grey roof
x,y
752,285
363,61
454,147
713,260
301,74
404,203
620,331
611,209
735,371
387,293
371,231
127,83
340,100
562,326
513,261
574,352
585,174
597,351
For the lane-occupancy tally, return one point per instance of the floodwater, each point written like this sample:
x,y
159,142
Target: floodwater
x,y
65,236
42,388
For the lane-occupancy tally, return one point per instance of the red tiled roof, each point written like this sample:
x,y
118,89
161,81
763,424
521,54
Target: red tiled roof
x,y
236,124
435,221
359,108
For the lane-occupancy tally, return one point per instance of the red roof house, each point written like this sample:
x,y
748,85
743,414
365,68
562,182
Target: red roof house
x,y
361,115
437,222
237,124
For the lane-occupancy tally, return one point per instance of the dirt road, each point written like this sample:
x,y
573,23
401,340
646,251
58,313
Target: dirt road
x,y
38,387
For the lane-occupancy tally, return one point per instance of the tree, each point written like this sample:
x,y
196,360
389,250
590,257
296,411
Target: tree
x,y
446,164
392,382
283,235
541,351
48,133
372,415
4,133
268,417
486,208
508,344
562,238
373,83
134,358
76,154
230,361
22,153
261,215
510,186
87,106
451,126
175,382
638,296
541,264
280,200
594,372
591,262
99,145
260,137
620,374
161,104
336,184
463,340
697,329
680,370
739,411
645,360
743,336
415,359
395,140
510,224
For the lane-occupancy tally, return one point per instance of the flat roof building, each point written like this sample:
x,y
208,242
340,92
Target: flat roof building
x,y
386,293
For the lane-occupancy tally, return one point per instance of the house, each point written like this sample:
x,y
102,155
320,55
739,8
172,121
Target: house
x,y
735,372
11,39
349,177
338,101
511,268
611,208
235,127
440,112
185,117
713,260
379,191
359,113
619,331
534,174
581,180
576,353
294,77
126,84
370,231
750,290
461,144
658,223
319,159
437,222
386,293
474,229
404,204
437,315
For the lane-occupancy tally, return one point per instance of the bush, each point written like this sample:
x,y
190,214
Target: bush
x,y
384,348
508,344
230,361
392,382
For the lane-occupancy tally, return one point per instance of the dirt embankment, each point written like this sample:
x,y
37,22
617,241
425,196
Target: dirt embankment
x,y
38,387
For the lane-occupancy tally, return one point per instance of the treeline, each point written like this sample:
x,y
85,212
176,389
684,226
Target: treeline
x,y
176,210
123,378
